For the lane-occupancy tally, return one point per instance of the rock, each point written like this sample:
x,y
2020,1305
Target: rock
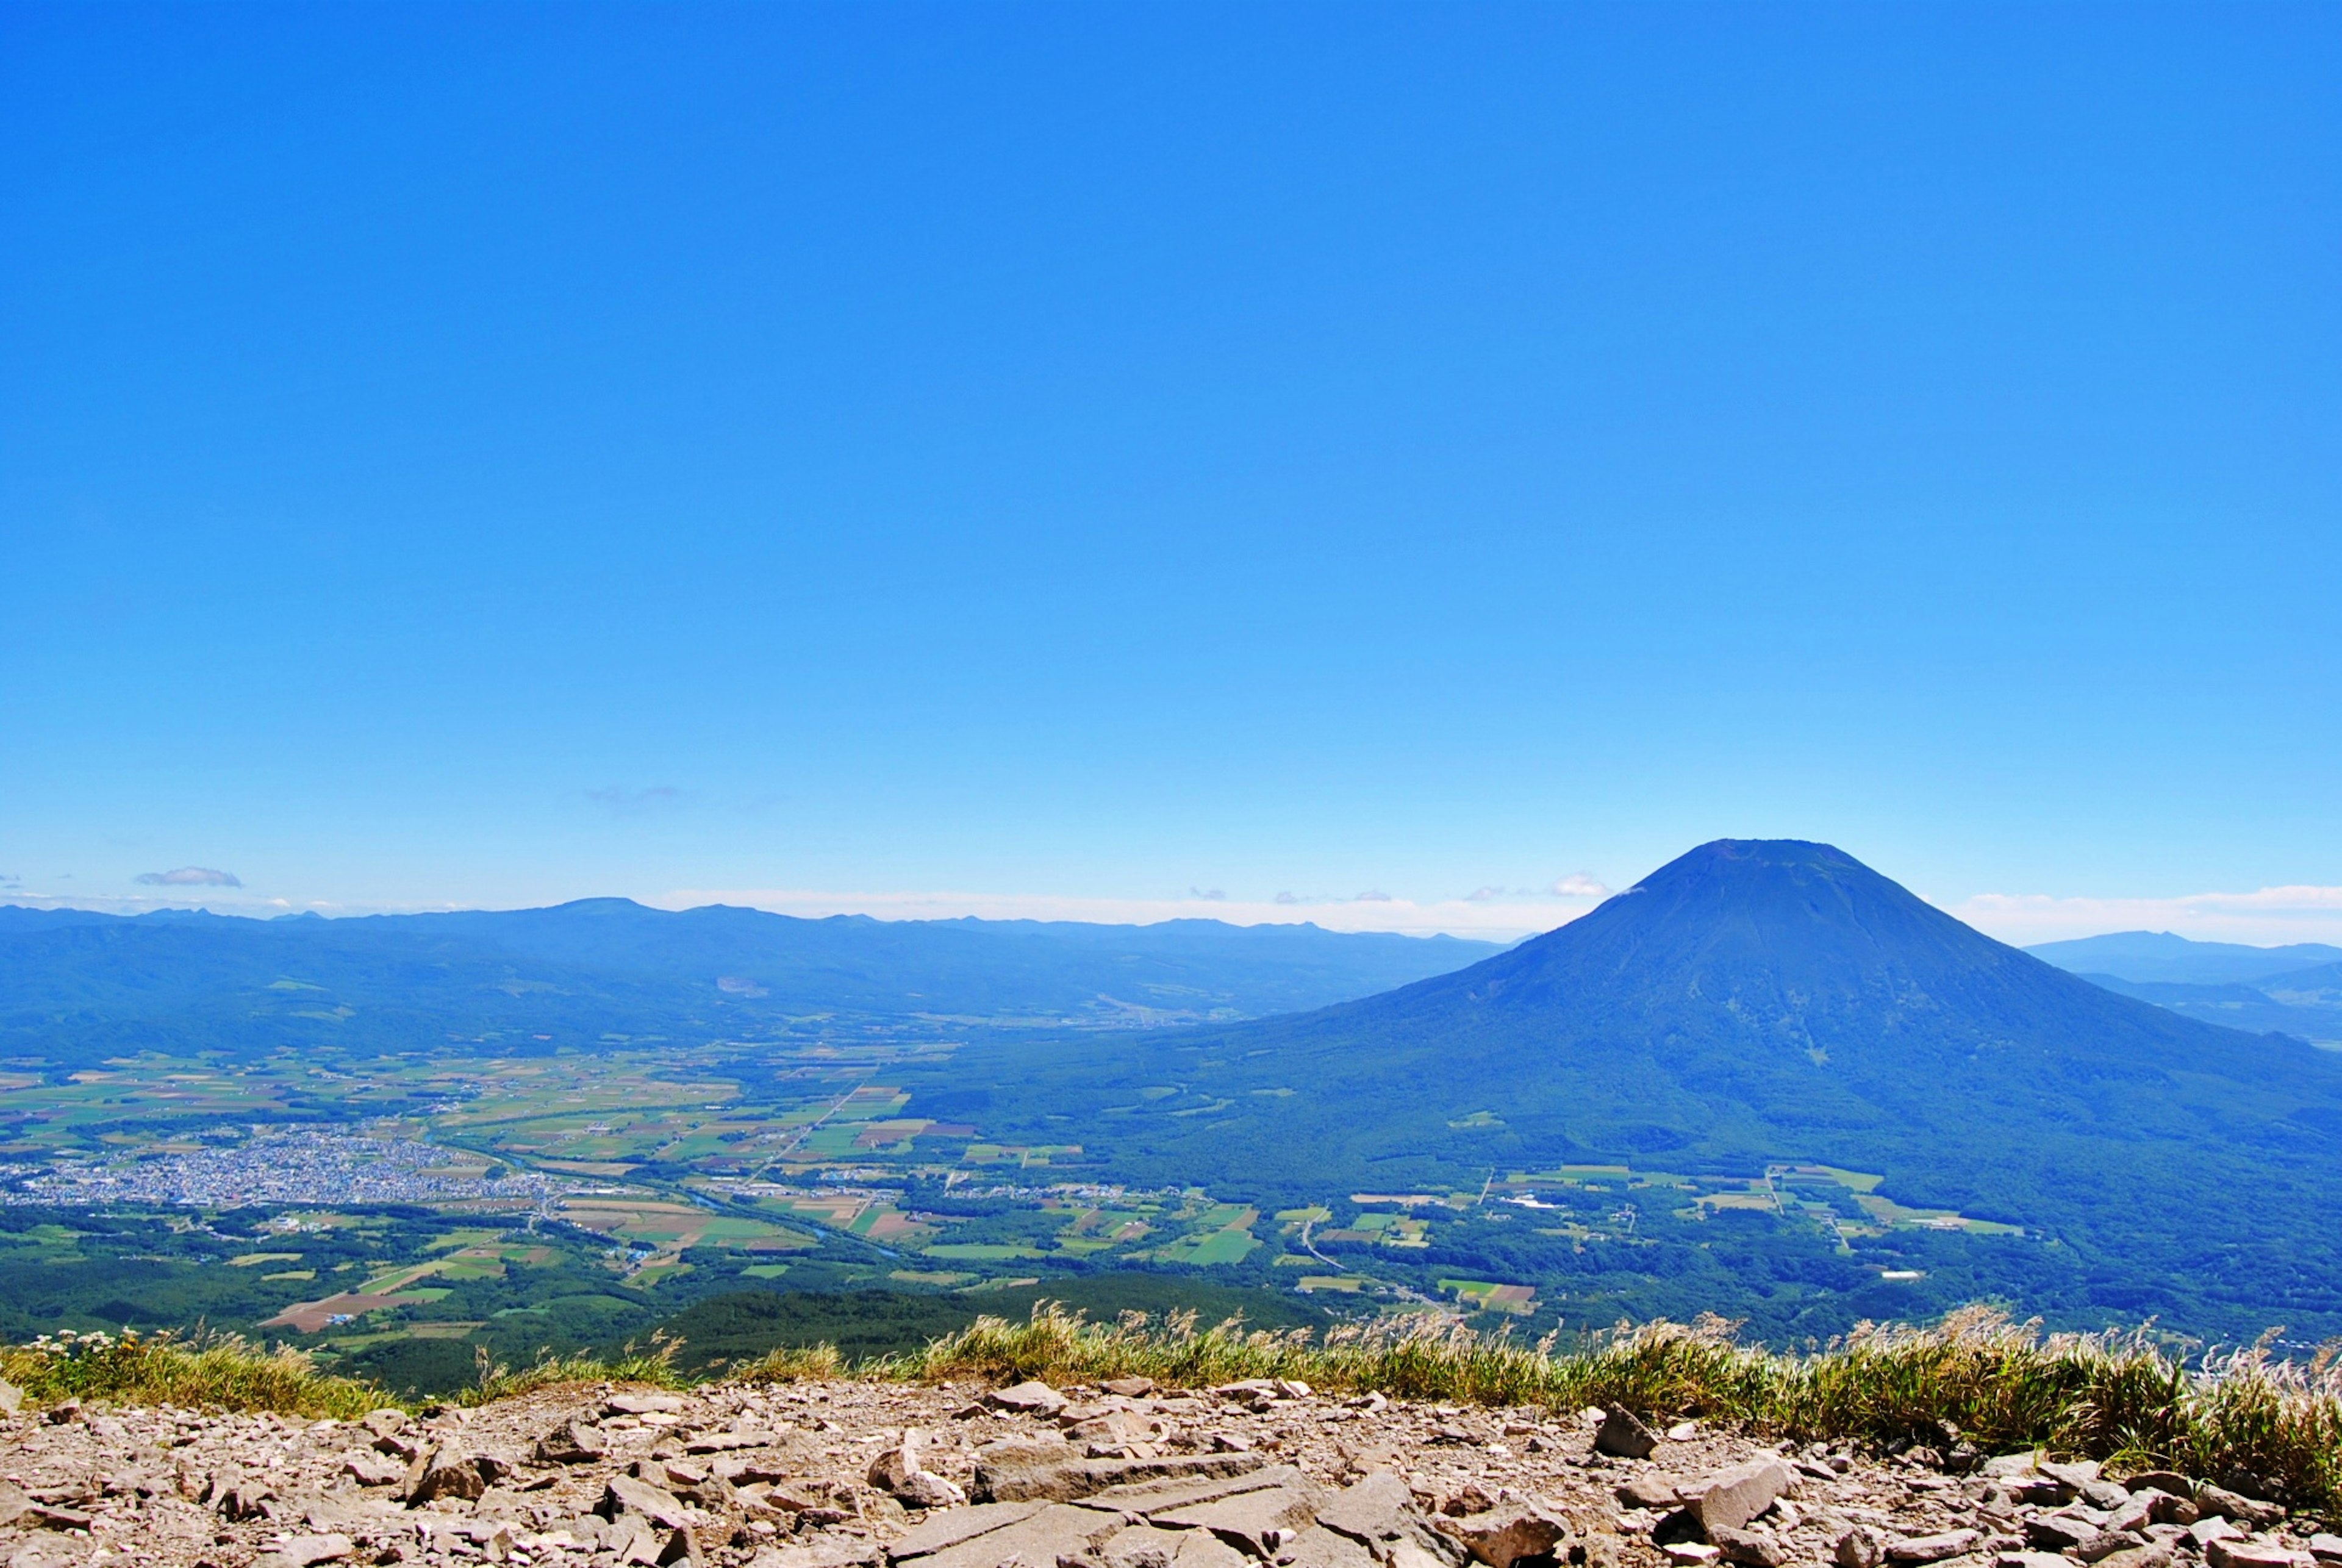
x,y
2156,1556
383,1422
1032,1398
901,1471
13,1504
2204,1532
1255,1393
1143,1546
1758,1548
1039,1539
1683,1431
2058,1531
1056,1472
1380,1507
1729,1499
1503,1535
306,1550
2163,1508
2105,1495
642,1404
2230,1552
1650,1491
2169,1480
949,1527
2006,1465
1129,1387
369,1469
1318,1547
1859,1548
12,1398
1622,1434
2075,1473
442,1475
1689,1552
624,1494
1915,1549
573,1442
2105,1543
2326,1548
1255,1521
2235,1506
2029,1560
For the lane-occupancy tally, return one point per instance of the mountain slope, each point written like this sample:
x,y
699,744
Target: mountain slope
x,y
76,985
2160,957
1753,1002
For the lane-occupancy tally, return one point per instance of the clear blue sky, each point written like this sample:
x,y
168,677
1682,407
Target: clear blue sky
x,y
490,453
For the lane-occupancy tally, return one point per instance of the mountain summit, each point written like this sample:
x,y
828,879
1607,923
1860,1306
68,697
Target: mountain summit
x,y
1754,1003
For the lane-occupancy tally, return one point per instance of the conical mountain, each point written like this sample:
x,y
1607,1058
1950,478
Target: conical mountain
x,y
1756,1002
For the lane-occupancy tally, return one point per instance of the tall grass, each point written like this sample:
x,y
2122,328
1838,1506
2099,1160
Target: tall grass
x,y
202,1371
1977,1382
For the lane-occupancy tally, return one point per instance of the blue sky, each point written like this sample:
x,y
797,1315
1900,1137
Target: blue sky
x,y
1083,459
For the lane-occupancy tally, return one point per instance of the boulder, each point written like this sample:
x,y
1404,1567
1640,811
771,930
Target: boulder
x,y
2169,1480
1622,1434
1318,1547
2326,1548
642,1404
1650,1492
1729,1499
1503,1535
2058,1531
1129,1387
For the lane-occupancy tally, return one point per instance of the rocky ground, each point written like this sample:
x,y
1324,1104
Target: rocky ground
x,y
826,1475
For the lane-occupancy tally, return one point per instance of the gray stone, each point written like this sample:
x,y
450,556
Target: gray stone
x,y
1027,1398
573,1442
1729,1499
1318,1547
306,1550
2231,1552
14,1503
1129,1387
625,1494
1755,1547
1254,1522
1376,1508
12,1398
642,1404
2029,1560
442,1475
1037,1540
949,1527
1022,1473
2011,1464
2204,1532
2169,1481
1915,1549
2155,1556
373,1469
2058,1531
1143,1546
2326,1548
2105,1543
1859,1548
1622,1434
1650,1490
2235,1506
1502,1535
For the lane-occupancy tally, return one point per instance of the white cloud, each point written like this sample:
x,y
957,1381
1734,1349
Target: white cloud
x,y
2267,917
189,876
1580,884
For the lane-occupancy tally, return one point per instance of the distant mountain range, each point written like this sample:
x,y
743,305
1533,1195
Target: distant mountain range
x,y
1748,1004
2294,990
76,985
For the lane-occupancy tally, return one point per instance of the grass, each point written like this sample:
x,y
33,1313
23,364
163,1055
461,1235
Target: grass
x,y
1975,1385
221,1372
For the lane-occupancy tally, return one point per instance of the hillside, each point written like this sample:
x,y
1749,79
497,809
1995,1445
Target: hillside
x,y
1753,1004
77,986
2161,957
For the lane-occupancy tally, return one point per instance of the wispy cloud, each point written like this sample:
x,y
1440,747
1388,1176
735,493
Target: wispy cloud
x,y
621,802
1580,884
1209,895
189,876
2265,917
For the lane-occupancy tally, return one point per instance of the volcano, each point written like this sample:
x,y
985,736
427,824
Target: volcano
x,y
1754,1003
